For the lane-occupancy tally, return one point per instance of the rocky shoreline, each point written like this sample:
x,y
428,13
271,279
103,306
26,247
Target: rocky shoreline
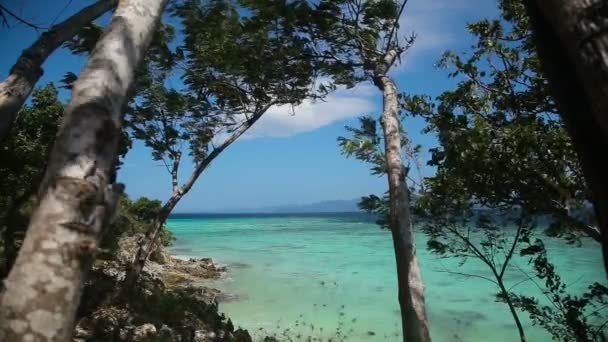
x,y
194,273
173,301
167,270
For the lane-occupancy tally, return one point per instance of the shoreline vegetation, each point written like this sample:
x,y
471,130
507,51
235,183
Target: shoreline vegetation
x,y
173,302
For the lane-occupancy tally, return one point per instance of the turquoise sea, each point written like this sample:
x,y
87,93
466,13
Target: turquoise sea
x,y
322,274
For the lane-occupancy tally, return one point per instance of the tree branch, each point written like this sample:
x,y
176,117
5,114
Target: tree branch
x,y
174,169
201,166
394,28
474,248
512,249
24,74
3,10
468,275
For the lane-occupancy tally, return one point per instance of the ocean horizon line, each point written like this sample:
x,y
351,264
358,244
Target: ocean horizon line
x,y
268,213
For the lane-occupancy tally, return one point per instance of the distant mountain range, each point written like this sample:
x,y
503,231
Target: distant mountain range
x,y
333,206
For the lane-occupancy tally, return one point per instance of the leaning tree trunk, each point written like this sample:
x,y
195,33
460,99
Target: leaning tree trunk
x,y
572,41
411,290
148,243
507,297
76,197
15,89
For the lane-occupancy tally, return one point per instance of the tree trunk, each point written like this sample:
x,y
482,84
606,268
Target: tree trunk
x,y
15,89
572,42
582,28
411,289
76,197
507,296
147,244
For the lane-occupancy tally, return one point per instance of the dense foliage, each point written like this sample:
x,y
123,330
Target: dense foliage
x,y
24,156
501,141
504,158
132,217
234,67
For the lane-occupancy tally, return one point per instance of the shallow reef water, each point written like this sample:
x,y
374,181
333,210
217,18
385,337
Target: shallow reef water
x,y
333,276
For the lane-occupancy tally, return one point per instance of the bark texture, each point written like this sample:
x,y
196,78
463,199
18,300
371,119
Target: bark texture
x,y
148,243
411,289
20,82
77,196
572,42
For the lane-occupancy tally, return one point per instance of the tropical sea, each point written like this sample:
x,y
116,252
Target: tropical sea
x,y
331,275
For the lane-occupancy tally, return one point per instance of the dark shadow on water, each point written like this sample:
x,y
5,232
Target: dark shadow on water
x,y
465,315
181,250
461,300
239,266
230,297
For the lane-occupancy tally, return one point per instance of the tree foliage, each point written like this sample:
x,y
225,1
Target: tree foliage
x,y
566,316
234,67
24,156
25,152
501,141
241,62
503,148
354,37
132,217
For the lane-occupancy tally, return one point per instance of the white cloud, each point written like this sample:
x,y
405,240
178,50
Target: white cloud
x,y
283,121
438,24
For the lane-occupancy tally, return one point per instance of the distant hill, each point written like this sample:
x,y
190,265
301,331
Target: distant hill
x,y
333,206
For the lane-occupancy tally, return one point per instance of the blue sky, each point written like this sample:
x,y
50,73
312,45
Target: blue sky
x,y
286,159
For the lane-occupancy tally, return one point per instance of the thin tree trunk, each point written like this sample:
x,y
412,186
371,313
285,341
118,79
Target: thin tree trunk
x,y
411,289
572,41
499,277
507,296
76,197
498,274
15,89
146,246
